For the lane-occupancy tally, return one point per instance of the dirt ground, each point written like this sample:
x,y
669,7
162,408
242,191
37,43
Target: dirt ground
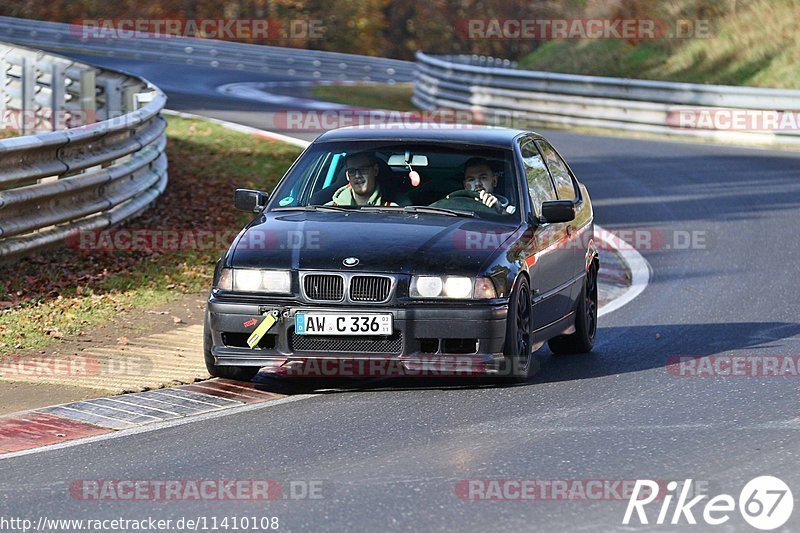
x,y
19,391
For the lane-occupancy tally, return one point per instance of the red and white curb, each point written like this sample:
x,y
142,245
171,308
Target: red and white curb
x,y
89,418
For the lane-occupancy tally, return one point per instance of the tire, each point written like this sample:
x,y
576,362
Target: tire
x,y
236,373
582,341
517,350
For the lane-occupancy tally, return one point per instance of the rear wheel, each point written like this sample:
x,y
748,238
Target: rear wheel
x,y
517,350
582,340
237,373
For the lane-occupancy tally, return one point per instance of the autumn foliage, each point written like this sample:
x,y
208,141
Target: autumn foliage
x,y
389,28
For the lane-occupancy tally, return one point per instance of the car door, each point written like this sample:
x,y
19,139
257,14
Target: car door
x,y
547,259
566,189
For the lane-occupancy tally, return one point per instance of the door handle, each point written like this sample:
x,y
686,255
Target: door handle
x,y
569,230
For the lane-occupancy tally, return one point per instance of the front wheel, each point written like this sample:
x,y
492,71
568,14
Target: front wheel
x,y
517,350
582,340
236,373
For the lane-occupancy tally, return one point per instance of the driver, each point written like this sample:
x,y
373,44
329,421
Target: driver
x,y
362,186
479,177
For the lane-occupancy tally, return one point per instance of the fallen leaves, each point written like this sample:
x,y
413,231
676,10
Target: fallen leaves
x,y
54,332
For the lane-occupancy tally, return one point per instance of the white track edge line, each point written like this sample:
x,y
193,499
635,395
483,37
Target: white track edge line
x,y
638,265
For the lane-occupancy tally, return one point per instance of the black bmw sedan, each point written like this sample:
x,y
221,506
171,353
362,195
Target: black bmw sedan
x,y
435,248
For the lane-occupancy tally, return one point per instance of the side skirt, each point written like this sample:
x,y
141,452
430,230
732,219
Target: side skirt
x,y
562,326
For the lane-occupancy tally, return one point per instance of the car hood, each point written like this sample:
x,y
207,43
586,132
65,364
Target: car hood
x,y
382,242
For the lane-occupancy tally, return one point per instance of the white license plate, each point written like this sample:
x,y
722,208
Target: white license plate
x,y
343,324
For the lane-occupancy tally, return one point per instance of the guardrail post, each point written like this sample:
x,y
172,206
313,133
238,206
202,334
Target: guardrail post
x,y
28,104
129,100
58,98
113,93
88,94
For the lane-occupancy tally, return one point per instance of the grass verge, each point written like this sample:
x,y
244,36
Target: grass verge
x,y
749,43
62,292
396,97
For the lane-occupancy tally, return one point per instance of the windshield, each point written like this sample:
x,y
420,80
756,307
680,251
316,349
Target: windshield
x,y
440,179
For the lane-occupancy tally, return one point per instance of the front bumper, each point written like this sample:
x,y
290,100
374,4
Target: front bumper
x,y
427,337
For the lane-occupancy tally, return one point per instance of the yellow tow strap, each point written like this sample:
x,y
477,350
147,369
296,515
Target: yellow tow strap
x,y
261,330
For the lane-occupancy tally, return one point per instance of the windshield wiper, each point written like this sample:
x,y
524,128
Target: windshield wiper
x,y
314,208
382,208
438,211
419,209
379,208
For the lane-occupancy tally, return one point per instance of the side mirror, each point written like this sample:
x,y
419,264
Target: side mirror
x,y
558,211
250,200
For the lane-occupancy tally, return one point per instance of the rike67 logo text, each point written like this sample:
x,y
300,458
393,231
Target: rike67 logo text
x,y
765,503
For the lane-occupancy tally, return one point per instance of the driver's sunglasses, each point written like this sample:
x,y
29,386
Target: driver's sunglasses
x,y
353,172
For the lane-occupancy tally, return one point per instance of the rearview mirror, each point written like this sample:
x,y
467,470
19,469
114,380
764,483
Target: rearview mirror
x,y
250,200
558,211
415,160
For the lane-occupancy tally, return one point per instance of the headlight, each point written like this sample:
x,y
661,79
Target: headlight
x,y
426,286
456,287
252,280
247,280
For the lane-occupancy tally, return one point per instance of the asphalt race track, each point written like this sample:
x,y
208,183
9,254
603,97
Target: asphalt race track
x,y
391,454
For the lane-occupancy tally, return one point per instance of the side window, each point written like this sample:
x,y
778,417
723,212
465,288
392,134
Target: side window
x,y
561,177
539,184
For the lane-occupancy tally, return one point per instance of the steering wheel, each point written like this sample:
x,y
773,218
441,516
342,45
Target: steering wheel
x,y
500,206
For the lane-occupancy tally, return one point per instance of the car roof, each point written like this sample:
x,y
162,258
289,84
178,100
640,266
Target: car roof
x,y
446,133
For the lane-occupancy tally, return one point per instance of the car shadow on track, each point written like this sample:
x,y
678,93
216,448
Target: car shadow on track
x,y
619,350
331,385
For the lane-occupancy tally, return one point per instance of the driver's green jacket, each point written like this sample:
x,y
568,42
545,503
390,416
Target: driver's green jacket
x,y
344,196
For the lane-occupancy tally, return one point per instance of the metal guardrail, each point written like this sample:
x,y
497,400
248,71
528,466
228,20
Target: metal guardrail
x,y
92,153
296,63
519,98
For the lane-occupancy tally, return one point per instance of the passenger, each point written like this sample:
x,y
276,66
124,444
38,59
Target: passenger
x,y
362,183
